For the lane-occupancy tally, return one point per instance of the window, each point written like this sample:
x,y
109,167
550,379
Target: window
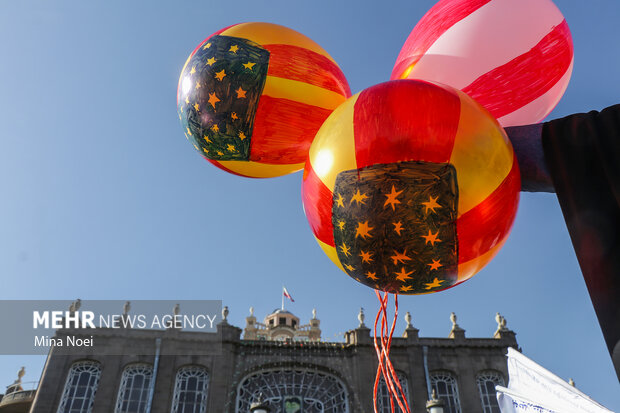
x,y
445,385
79,392
383,396
134,389
293,391
190,390
487,380
282,321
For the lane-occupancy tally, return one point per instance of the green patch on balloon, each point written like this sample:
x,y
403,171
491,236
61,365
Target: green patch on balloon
x,y
218,97
395,225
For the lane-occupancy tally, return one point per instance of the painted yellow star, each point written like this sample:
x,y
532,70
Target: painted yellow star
x,y
398,257
242,136
398,227
198,85
191,72
350,267
436,283
196,106
435,265
403,275
431,204
220,153
345,250
215,128
392,198
363,230
366,256
213,99
432,238
406,288
206,138
341,225
249,65
359,198
211,60
372,275
234,116
231,148
234,49
240,93
339,201
205,150
206,46
220,75
189,132
186,100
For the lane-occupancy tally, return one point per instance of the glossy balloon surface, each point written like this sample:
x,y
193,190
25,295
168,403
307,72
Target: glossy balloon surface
x,y
252,96
515,57
411,187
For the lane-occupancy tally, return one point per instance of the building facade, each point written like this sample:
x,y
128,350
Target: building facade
x,y
284,363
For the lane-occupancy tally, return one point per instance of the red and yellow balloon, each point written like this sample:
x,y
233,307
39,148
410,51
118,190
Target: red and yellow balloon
x,y
252,96
515,57
411,187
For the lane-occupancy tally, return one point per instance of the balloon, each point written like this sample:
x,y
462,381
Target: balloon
x,y
515,57
411,187
252,96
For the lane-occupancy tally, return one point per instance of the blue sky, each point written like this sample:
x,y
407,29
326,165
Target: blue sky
x,y
103,198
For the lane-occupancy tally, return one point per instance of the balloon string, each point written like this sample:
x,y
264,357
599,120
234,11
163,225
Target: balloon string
x,y
380,367
385,367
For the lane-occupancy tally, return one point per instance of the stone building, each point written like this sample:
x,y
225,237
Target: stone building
x,y
285,363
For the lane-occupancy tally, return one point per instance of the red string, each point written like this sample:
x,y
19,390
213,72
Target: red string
x,y
385,367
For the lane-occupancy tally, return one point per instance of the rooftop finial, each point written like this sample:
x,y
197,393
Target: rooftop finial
x,y
453,319
408,319
251,311
75,306
21,373
314,313
177,309
126,307
361,317
225,314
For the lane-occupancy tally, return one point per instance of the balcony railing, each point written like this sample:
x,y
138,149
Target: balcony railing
x,y
19,393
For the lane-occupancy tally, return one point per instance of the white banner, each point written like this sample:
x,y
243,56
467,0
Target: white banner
x,y
533,389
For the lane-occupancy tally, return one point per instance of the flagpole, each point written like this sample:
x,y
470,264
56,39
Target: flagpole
x,y
282,297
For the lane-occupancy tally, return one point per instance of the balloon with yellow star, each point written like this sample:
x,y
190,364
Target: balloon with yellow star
x,y
252,96
411,187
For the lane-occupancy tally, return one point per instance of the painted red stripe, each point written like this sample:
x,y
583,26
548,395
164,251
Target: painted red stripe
x,y
284,129
405,120
298,63
485,225
433,24
527,77
317,200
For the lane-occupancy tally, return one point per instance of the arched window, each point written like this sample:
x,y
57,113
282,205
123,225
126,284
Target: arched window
x,y
445,385
487,380
383,396
79,392
190,390
134,389
293,391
